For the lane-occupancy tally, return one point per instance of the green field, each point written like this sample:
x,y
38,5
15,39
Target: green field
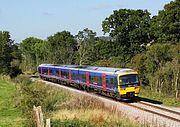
x,y
10,116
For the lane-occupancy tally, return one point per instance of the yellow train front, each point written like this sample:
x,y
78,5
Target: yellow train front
x,y
128,84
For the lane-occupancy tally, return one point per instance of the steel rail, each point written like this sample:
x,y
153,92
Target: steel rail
x,y
150,111
161,108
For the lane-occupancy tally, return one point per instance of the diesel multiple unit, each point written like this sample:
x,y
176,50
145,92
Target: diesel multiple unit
x,y
119,83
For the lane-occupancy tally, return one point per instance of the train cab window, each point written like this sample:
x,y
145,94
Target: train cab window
x,y
128,79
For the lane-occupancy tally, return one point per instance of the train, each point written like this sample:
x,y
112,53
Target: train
x,y
118,83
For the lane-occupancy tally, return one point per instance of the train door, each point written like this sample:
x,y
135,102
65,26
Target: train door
x,y
87,79
48,72
104,81
60,75
70,75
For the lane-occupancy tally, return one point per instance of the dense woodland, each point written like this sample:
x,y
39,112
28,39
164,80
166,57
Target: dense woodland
x,y
134,39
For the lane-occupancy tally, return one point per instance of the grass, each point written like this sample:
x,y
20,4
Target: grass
x,y
80,111
29,94
68,110
10,116
164,99
63,108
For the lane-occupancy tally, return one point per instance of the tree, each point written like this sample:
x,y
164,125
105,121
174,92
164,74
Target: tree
x,y
10,55
86,40
61,48
5,52
31,48
128,27
166,26
156,56
16,61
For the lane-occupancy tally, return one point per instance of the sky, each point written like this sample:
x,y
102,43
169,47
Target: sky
x,y
43,18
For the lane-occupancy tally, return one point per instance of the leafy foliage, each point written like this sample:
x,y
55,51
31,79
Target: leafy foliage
x,y
156,57
166,26
31,50
10,56
86,49
162,68
61,48
5,52
128,26
38,94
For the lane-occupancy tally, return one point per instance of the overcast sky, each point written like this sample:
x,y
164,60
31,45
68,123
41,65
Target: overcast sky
x,y
42,18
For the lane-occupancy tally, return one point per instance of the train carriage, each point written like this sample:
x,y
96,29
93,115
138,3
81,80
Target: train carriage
x,y
121,83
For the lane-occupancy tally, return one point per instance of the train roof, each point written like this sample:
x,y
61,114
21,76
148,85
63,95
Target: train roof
x,y
90,68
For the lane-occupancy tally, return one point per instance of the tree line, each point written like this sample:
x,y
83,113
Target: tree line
x,y
150,45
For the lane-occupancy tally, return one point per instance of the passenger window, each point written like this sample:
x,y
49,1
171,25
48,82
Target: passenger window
x,y
115,82
57,73
107,81
83,77
111,81
100,80
95,79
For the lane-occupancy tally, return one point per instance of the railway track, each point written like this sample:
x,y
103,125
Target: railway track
x,y
161,108
175,117
143,106
146,109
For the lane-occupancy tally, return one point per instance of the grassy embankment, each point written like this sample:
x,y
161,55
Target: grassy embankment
x,y
89,112
10,116
66,109
146,94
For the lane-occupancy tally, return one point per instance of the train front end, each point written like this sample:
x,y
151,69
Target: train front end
x,y
128,85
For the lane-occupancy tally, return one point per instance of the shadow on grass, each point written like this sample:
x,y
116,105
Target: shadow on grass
x,y
149,100
143,99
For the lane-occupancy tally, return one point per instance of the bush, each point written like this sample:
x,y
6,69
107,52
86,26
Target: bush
x,y
15,71
38,94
